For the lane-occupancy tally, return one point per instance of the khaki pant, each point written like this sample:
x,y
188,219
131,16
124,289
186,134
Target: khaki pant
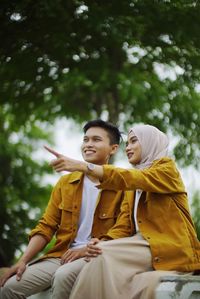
x,y
65,277
123,270
42,275
36,278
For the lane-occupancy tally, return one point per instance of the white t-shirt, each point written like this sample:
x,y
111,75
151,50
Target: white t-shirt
x,y
89,200
137,198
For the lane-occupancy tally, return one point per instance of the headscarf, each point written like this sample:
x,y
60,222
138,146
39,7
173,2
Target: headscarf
x,y
154,144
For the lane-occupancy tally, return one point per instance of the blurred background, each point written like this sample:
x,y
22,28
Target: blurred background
x,y
63,63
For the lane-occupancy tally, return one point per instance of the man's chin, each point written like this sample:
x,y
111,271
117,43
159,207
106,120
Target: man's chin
x,y
90,160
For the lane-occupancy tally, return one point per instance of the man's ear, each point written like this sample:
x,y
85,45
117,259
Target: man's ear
x,y
115,147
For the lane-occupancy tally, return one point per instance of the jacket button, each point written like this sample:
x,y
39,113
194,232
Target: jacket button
x,y
156,259
104,215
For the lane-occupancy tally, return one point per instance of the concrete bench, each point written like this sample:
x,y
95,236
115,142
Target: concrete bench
x,y
170,287
178,287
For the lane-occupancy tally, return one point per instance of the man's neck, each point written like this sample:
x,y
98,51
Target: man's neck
x,y
93,179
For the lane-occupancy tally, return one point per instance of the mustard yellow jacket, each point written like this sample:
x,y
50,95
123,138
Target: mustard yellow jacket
x,y
62,213
163,214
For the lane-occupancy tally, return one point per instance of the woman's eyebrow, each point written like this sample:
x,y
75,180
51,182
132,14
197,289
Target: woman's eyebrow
x,y
133,138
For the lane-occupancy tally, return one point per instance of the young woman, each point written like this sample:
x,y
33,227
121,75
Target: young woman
x,y
154,231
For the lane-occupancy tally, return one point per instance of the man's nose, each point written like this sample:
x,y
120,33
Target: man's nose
x,y
89,143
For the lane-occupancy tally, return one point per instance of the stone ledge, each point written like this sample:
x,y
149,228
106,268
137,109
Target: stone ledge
x,y
178,287
170,287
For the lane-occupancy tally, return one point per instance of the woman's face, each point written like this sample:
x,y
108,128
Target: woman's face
x,y
133,149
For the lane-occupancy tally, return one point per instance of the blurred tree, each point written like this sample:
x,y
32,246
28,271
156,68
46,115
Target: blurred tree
x,y
139,60
195,206
22,195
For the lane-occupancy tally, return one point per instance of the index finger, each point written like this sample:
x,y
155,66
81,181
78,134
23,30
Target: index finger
x,y
52,151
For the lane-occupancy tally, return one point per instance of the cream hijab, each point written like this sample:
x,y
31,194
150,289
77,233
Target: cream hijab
x,y
154,144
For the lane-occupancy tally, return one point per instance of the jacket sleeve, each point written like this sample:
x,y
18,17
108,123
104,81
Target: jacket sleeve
x,y
123,226
161,177
50,220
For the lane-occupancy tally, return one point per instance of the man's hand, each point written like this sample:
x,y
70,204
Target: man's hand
x,y
63,163
92,249
73,254
17,269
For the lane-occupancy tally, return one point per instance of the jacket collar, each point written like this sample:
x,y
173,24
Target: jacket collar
x,y
75,176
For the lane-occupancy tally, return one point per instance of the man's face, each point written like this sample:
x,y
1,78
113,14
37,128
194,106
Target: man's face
x,y
96,147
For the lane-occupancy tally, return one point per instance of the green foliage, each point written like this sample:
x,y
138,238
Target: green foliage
x,y
195,211
80,58
138,60
22,196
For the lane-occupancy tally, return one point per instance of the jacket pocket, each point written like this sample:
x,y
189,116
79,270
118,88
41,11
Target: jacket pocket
x,y
66,214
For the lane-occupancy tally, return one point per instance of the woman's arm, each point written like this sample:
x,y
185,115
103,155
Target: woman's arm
x,y
161,177
63,163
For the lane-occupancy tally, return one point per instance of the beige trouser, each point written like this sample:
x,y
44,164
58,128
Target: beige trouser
x,y
123,270
65,277
36,278
42,275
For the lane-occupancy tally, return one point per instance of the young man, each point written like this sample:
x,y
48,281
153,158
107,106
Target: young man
x,y
77,211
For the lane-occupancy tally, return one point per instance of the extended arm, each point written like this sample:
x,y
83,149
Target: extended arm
x,y
161,177
63,163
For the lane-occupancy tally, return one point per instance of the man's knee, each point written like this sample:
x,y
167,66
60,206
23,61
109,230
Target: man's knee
x,y
63,274
67,273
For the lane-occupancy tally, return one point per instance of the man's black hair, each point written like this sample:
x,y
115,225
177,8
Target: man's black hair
x,y
112,130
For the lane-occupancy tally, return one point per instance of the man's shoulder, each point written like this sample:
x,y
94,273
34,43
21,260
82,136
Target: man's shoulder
x,y
71,177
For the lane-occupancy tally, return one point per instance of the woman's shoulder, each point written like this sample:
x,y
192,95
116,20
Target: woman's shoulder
x,y
164,162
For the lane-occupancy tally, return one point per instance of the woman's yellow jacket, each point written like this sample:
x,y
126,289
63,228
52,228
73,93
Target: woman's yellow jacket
x,y
163,213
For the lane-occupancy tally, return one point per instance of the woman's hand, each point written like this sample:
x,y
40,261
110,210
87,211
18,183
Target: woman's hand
x,y
63,163
92,249
73,254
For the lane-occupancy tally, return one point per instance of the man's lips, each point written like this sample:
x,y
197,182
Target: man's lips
x,y
89,152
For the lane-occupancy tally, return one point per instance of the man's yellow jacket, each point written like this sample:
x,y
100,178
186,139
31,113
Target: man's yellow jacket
x,y
61,217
